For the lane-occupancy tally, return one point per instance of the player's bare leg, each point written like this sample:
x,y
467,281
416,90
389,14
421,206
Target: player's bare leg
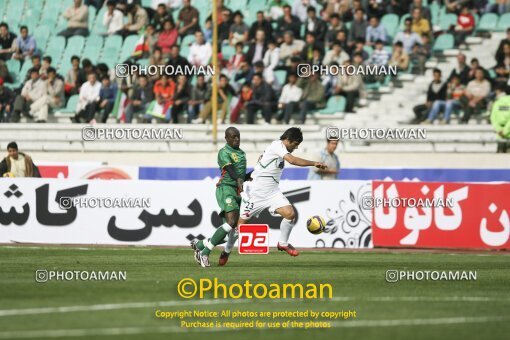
x,y
286,226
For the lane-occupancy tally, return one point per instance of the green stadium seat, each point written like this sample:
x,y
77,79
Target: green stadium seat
x,y
92,16
390,22
94,40
443,42
74,47
36,5
434,12
403,19
487,23
335,104
447,20
27,65
14,10
228,51
128,47
281,76
113,41
187,40
369,50
55,48
70,106
110,53
41,36
13,65
503,23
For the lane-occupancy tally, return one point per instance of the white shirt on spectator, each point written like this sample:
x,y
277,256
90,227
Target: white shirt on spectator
x,y
290,93
200,54
113,23
88,94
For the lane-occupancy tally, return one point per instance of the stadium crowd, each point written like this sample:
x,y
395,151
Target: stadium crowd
x,y
258,61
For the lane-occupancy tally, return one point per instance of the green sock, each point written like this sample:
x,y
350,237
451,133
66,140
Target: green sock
x,y
200,245
217,238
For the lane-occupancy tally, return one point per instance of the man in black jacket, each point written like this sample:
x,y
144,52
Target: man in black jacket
x,y
17,164
436,91
176,60
315,26
461,70
260,24
263,99
288,22
7,97
140,99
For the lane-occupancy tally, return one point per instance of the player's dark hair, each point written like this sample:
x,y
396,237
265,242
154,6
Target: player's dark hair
x,y
293,134
12,145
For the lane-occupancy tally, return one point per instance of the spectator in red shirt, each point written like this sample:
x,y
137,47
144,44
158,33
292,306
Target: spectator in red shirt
x,y
167,38
164,90
464,27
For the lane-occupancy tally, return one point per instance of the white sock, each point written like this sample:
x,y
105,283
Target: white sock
x,y
232,238
285,229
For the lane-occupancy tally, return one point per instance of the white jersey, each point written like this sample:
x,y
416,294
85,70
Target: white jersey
x,y
268,171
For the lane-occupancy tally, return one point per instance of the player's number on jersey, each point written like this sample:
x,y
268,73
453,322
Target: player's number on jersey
x,y
235,158
249,207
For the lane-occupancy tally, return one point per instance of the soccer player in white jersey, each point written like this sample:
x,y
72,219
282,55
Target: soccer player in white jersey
x,y
263,191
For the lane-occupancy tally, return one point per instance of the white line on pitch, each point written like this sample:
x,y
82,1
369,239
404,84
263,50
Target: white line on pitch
x,y
175,329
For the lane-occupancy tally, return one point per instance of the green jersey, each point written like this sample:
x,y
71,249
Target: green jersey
x,y
236,157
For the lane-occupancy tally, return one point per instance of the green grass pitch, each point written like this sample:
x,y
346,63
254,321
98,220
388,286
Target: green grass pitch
x,y
125,309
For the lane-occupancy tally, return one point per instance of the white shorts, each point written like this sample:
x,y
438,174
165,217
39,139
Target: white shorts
x,y
252,206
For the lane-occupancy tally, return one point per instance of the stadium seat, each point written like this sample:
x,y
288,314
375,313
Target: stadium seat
x,y
434,12
92,16
13,65
55,47
281,76
369,50
390,22
504,22
70,107
74,47
335,104
41,36
94,40
443,42
228,51
447,20
14,10
113,41
403,19
487,23
27,65
35,5
128,47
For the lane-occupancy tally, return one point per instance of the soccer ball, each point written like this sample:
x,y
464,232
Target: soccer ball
x,y
316,225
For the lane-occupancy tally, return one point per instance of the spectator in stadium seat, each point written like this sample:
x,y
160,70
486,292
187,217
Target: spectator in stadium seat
x,y
181,98
224,26
461,70
200,51
465,26
6,100
275,9
500,118
18,164
315,26
310,44
45,66
238,31
336,54
197,99
77,17
375,8
333,27
162,15
137,19
407,37
107,95
436,91
271,60
359,48
6,42
399,57
113,19
140,98
25,45
290,47
420,54
313,96
358,28
375,31
175,59
300,8
52,99
289,99
263,99
260,24
420,24
74,78
379,56
349,86
164,90
288,22
328,157
32,90
257,49
167,38
225,92
234,63
500,55
502,68
348,12
398,7
474,98
475,64
425,11
454,92
187,22
88,100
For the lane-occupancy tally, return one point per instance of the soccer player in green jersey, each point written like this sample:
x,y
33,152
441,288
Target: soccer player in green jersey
x,y
232,162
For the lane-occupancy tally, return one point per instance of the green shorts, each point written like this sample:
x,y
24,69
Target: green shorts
x,y
227,198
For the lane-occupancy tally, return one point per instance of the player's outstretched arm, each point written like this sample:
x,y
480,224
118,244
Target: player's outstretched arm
x,y
303,162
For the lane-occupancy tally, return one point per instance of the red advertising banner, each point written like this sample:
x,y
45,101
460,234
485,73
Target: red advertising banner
x,y
441,215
